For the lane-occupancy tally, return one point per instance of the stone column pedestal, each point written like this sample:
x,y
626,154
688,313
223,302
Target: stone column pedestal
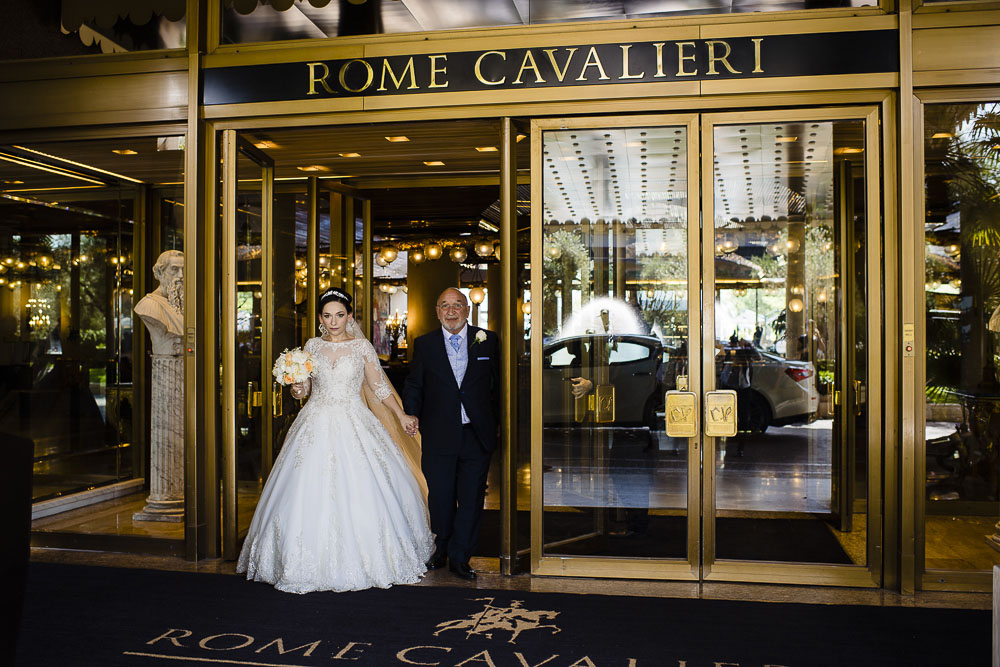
x,y
166,465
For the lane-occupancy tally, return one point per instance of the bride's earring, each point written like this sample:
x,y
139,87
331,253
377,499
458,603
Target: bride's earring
x,y
322,329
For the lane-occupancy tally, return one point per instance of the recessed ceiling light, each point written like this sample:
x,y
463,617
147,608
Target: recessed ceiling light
x,y
313,167
520,137
486,149
266,143
397,139
349,154
124,151
942,135
434,163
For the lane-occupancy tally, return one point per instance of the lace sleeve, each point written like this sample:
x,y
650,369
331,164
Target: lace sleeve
x,y
374,376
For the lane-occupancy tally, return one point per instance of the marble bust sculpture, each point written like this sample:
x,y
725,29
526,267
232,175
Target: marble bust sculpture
x,y
162,312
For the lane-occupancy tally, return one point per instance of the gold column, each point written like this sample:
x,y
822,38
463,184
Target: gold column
x,y
363,298
201,381
228,343
508,346
312,259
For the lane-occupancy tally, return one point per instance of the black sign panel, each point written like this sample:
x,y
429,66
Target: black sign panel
x,y
598,64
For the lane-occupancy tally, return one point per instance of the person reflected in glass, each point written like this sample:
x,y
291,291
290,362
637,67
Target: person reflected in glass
x,y
631,462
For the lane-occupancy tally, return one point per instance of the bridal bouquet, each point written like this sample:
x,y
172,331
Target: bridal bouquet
x,y
293,366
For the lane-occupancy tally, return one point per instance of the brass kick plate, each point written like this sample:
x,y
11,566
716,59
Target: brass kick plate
x,y
720,413
682,414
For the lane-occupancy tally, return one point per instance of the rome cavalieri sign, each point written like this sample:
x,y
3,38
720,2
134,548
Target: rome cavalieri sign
x,y
817,54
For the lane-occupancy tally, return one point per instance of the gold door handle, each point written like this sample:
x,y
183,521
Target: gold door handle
x,y
681,414
254,398
277,400
720,413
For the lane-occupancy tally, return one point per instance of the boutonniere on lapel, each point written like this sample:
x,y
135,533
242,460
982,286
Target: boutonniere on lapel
x,y
480,337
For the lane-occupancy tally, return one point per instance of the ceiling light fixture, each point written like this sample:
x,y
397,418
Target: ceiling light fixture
x,y
124,151
397,139
349,154
313,167
486,149
434,163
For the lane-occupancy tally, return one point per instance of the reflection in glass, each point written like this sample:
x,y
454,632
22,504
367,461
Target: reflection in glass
x,y
962,293
614,324
72,380
79,27
258,21
789,339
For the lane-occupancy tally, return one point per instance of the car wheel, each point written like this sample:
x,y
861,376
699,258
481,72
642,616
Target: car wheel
x,y
758,415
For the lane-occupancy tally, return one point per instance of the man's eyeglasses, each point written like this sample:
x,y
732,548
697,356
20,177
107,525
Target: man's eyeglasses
x,y
451,306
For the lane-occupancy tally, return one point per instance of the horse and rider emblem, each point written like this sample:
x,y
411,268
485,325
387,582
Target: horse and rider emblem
x,y
514,619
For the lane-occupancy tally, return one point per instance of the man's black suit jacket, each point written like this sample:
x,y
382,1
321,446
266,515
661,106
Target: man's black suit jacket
x,y
432,394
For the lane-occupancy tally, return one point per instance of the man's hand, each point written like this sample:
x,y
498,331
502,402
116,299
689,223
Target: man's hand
x,y
581,387
410,424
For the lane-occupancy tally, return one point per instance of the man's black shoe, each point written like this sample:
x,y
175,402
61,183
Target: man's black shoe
x,y
438,560
462,570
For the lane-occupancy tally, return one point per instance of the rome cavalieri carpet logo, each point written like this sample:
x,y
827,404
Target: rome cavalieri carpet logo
x,y
503,625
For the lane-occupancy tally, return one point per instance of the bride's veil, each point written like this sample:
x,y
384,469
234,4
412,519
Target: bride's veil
x,y
408,445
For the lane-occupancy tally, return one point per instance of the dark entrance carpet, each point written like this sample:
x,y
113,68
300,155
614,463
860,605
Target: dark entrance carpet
x,y
783,540
84,616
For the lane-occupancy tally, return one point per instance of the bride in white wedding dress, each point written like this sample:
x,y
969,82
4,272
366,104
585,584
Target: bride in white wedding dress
x,y
345,505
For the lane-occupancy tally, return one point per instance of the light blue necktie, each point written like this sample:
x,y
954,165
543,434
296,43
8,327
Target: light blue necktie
x,y
456,340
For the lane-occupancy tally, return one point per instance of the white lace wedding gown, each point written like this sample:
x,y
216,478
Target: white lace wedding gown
x,y
341,509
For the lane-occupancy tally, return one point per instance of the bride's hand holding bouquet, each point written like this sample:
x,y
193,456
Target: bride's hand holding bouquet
x,y
293,368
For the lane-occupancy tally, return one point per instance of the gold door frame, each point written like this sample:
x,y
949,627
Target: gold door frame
x,y
232,145
683,569
701,564
869,575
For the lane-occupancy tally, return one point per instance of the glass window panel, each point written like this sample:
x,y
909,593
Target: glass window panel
x,y
614,322
962,296
31,29
790,339
73,383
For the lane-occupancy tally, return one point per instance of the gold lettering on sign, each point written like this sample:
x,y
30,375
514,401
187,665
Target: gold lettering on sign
x,y
282,650
482,656
404,655
386,67
681,58
584,662
560,73
172,639
204,642
479,71
712,58
342,654
435,70
524,663
343,75
529,58
593,60
313,80
625,74
659,60
757,41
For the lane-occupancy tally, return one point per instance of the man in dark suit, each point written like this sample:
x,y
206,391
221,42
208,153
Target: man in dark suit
x,y
453,390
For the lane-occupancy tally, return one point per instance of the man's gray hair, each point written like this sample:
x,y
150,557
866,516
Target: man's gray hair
x,y
163,259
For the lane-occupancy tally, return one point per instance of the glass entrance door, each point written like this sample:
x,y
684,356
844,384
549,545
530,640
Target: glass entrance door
x,y
704,350
258,321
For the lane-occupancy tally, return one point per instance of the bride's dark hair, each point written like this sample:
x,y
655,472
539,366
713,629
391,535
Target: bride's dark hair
x,y
337,295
